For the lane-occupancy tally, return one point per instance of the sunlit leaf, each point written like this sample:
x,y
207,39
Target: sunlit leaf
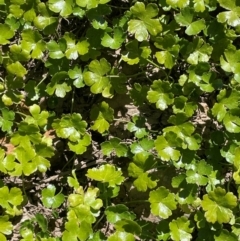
x,y
106,173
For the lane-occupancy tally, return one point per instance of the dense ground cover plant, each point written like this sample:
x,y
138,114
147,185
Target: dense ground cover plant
x,y
119,120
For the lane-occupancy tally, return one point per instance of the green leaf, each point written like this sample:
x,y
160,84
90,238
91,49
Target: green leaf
x,y
49,199
81,145
119,236
61,6
202,52
24,160
33,43
6,120
114,42
165,150
143,145
236,162
227,100
77,75
225,235
185,17
118,212
29,15
102,114
195,27
143,182
137,126
42,222
6,227
222,203
184,131
199,173
118,82
72,181
17,53
75,48
87,3
10,200
180,230
6,34
139,93
56,50
166,58
181,105
160,93
187,193
136,52
163,230
106,174
232,121
129,226
38,118
46,23
162,202
59,84
199,5
231,16
96,77
34,91
41,163
146,23
76,231
230,60
17,69
142,162
114,145
178,3
89,198
97,16
70,127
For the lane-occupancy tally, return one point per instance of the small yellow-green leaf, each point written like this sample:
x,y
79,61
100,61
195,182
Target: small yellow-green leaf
x,y
17,69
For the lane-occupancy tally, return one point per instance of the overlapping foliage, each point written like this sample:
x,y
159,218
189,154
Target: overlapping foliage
x,y
61,64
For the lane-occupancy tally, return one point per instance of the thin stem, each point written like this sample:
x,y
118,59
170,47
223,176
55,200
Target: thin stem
x,y
72,101
106,199
121,120
72,158
20,113
154,64
23,186
151,62
128,76
136,201
98,221
42,80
